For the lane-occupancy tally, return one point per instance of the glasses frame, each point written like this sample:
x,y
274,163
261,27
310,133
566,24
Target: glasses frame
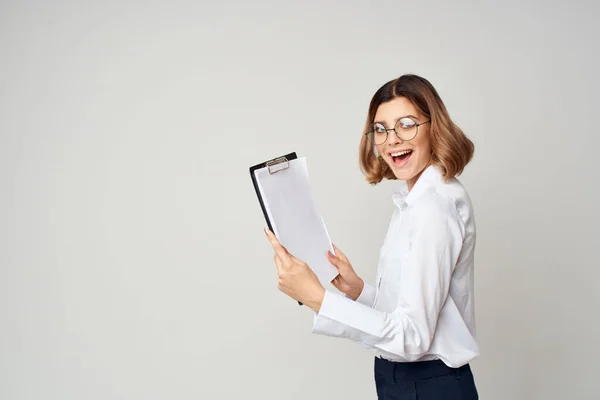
x,y
387,130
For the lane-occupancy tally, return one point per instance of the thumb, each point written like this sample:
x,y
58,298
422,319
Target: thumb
x,y
339,263
338,253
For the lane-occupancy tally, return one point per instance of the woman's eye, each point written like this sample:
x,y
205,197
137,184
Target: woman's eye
x,y
378,129
406,123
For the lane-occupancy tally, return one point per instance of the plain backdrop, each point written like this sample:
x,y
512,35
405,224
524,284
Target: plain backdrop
x,y
133,263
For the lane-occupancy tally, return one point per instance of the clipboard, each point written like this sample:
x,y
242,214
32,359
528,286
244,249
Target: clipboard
x,y
274,165
286,201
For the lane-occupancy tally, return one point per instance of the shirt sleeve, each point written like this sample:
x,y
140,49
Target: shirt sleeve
x,y
436,241
367,296
328,327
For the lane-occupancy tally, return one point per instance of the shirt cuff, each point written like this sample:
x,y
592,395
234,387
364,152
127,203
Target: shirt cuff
x,y
367,296
327,327
362,322
323,325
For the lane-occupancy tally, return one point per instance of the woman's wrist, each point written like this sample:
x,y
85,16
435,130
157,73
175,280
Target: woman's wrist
x,y
356,291
317,299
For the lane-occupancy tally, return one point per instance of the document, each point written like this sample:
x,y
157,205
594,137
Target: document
x,y
295,217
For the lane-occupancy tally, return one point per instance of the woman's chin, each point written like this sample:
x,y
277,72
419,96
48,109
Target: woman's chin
x,y
404,174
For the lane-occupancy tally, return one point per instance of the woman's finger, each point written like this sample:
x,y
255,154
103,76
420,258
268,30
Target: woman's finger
x,y
335,260
278,263
338,253
337,282
279,249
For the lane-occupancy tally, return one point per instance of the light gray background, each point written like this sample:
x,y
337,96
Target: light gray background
x,y
133,263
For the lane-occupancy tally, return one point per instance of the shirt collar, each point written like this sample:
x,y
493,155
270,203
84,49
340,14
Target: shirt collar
x,y
430,177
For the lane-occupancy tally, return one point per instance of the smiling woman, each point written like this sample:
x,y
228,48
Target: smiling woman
x,y
419,317
409,126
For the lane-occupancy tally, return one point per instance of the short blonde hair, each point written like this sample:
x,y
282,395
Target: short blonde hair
x,y
452,149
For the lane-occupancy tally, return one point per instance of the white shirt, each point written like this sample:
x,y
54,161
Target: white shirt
x,y
422,306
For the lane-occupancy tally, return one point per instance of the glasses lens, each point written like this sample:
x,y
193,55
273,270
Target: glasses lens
x,y
406,128
378,134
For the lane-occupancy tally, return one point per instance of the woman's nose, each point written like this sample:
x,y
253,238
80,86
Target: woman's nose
x,y
393,139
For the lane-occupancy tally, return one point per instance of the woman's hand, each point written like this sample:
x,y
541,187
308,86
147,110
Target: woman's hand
x,y
296,279
347,281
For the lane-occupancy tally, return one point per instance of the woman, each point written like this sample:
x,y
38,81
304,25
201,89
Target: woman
x,y
419,316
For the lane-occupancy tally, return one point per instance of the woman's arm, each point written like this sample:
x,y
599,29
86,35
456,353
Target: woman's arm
x,y
367,295
328,327
408,331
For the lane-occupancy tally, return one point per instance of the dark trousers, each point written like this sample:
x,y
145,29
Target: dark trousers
x,y
423,380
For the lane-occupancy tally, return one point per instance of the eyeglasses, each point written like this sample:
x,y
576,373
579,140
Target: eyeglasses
x,y
405,129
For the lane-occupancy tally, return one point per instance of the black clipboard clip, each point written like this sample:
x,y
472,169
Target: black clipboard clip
x,y
274,165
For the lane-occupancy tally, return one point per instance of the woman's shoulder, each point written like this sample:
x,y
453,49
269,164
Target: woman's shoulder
x,y
444,199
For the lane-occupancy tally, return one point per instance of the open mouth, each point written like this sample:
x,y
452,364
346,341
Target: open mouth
x,y
401,157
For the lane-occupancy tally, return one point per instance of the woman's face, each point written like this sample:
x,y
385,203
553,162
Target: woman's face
x,y
407,158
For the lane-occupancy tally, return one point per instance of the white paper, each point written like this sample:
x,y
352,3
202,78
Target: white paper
x,y
295,218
